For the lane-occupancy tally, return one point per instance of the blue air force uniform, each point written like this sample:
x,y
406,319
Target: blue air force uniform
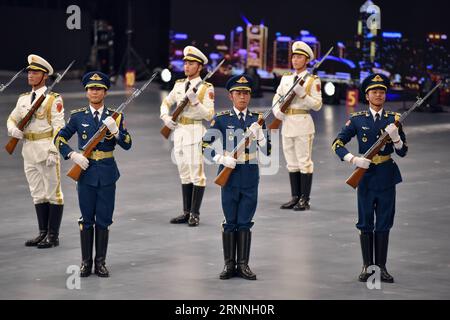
x,y
97,184
377,189
240,195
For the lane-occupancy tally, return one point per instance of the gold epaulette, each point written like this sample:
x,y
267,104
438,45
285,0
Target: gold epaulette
x,y
24,94
181,80
357,114
78,110
288,74
208,84
223,113
56,95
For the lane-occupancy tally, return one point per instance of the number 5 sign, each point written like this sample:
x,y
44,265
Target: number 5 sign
x,y
352,98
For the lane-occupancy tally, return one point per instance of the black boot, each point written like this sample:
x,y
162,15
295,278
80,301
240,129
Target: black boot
x,y
101,245
306,184
87,242
54,222
366,239
197,197
244,239
381,250
187,200
42,212
229,254
295,180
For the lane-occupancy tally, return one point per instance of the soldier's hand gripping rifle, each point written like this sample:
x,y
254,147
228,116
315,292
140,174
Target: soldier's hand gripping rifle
x,y
358,174
89,147
26,120
4,86
166,131
286,100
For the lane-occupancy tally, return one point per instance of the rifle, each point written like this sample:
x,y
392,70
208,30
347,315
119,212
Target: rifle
x,y
4,86
165,131
286,100
75,171
26,120
358,174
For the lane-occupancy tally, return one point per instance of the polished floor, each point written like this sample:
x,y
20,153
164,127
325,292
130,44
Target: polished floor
x,y
311,255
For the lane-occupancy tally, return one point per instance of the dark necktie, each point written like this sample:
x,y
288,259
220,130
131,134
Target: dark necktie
x,y
96,113
241,120
295,79
377,118
188,84
33,96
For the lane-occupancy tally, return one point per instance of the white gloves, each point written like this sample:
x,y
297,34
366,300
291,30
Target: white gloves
x,y
360,162
256,131
112,125
80,160
227,161
300,91
392,130
168,122
278,114
192,96
15,133
52,159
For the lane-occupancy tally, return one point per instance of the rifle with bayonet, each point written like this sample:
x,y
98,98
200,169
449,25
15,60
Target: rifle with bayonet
x,y
26,120
358,174
4,86
166,131
286,100
88,148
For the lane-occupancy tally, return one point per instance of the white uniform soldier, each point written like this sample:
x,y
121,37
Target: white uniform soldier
x,y
189,131
41,159
298,126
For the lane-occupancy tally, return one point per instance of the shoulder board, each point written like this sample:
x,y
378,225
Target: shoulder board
x,y
56,95
315,77
288,74
78,110
223,113
357,114
392,113
110,109
24,94
208,84
181,80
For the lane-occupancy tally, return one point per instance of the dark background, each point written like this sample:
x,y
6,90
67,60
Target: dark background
x,y
39,26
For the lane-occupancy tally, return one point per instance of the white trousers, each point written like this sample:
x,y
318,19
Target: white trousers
x,y
44,182
189,159
297,152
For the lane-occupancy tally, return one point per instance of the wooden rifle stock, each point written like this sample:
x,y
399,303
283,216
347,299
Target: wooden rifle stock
x,y
286,103
166,131
11,145
358,174
76,170
224,175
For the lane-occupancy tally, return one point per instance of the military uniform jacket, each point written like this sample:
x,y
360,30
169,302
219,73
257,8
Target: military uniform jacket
x,y
102,172
47,120
300,124
363,126
227,128
188,134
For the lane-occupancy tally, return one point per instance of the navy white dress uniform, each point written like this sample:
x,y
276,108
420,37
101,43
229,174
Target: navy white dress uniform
x,y
97,184
41,159
298,129
187,136
240,195
376,191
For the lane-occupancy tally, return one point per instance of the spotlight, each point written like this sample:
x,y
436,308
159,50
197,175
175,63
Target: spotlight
x,y
330,89
166,75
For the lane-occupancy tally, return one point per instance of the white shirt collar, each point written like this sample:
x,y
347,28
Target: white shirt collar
x,y
243,111
39,91
100,111
301,74
194,81
374,113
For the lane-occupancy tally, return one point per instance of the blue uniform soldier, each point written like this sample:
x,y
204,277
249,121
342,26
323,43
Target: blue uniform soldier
x,y
240,194
376,191
97,184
